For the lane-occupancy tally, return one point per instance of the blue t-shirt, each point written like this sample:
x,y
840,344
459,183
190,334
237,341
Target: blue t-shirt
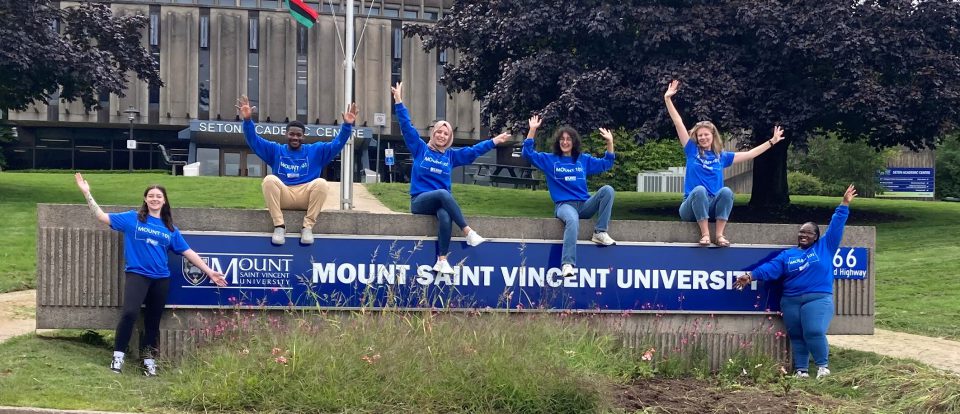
x,y
145,245
431,169
300,166
567,179
807,270
705,170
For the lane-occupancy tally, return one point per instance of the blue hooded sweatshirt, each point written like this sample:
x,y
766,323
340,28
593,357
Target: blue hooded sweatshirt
x,y
300,166
566,178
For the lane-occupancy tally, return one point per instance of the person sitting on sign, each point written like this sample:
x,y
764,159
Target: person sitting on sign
x,y
704,196
147,236
807,273
295,183
430,177
566,170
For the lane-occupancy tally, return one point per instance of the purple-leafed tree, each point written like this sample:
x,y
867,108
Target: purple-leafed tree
x,y
80,51
888,70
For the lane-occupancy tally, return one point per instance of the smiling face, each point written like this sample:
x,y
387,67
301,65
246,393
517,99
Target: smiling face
x,y
704,136
441,136
154,200
808,235
566,143
294,137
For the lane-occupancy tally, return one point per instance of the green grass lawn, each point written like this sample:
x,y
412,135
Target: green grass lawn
x,y
917,280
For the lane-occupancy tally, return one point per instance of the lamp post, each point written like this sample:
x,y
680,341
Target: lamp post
x,y
132,114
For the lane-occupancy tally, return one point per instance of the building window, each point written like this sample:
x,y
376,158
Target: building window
x,y
269,4
253,59
302,47
203,91
441,90
153,96
248,3
396,63
411,13
431,14
391,12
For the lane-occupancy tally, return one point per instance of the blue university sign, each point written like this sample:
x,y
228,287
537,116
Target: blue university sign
x,y
346,271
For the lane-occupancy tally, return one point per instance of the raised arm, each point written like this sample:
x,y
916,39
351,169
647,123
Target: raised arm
x,y
346,131
760,149
264,149
97,211
528,152
834,233
608,137
215,276
682,133
467,155
410,135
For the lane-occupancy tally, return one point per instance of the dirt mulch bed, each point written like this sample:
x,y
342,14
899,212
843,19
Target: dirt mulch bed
x,y
692,396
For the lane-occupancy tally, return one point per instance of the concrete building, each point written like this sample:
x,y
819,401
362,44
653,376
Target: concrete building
x,y
212,51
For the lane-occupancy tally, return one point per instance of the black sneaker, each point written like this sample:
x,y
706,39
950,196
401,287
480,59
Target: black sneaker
x,y
117,364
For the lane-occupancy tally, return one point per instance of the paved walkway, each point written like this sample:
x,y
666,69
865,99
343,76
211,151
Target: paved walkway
x,y
936,352
362,200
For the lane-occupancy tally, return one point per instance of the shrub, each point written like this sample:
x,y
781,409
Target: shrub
x,y
948,167
632,158
801,183
837,163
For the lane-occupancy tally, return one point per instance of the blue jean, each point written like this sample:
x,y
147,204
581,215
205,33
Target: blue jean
x,y
807,318
699,205
439,203
570,213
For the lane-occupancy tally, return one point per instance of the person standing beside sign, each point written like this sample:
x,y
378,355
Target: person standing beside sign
x,y
807,273
704,196
566,170
295,182
430,181
147,235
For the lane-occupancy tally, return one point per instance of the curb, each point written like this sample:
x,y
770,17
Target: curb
x,y
32,410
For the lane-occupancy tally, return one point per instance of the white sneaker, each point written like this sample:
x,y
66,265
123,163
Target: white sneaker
x,y
306,236
149,367
117,364
603,239
474,239
443,267
279,236
822,372
801,374
567,270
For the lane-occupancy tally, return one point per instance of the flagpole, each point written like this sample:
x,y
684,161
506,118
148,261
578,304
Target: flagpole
x,y
346,157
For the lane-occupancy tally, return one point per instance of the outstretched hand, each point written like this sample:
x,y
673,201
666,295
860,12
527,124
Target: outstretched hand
x,y
743,280
243,106
777,135
397,92
606,134
535,122
503,137
849,195
217,278
84,187
672,88
350,117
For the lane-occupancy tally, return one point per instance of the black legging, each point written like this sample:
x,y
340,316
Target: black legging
x,y
139,290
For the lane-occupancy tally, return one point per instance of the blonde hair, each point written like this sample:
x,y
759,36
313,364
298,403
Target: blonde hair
x,y
441,123
717,146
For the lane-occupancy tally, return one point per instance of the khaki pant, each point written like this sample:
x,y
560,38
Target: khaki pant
x,y
308,196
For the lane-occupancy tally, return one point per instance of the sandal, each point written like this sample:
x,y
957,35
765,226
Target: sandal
x,y
722,241
705,240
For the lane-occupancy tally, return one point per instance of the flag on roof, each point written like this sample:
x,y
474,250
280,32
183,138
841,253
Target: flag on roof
x,y
302,13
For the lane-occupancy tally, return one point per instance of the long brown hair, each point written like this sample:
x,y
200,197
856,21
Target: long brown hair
x,y
165,214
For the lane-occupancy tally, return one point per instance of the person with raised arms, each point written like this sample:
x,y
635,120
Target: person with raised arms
x,y
566,170
806,272
430,181
704,195
147,236
295,183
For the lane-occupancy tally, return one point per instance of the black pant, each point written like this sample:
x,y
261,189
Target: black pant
x,y
139,290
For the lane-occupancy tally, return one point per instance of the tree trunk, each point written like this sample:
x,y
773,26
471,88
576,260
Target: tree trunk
x,y
770,177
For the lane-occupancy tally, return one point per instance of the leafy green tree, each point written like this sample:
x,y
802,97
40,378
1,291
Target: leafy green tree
x,y
886,69
632,158
948,167
837,163
91,55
